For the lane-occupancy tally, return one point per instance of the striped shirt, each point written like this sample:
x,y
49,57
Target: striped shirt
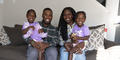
x,y
53,36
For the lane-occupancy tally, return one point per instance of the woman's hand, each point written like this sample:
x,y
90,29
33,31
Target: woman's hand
x,y
76,38
68,46
78,48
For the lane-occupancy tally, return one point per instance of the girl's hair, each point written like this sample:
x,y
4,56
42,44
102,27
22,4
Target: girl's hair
x,y
62,26
31,10
80,12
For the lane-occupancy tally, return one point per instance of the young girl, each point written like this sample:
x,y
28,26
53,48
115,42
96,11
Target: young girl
x,y
80,32
33,29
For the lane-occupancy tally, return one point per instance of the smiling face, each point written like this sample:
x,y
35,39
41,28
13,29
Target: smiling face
x,y
31,16
80,19
68,16
47,16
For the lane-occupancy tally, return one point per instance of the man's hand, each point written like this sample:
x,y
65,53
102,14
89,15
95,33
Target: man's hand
x,y
43,45
35,44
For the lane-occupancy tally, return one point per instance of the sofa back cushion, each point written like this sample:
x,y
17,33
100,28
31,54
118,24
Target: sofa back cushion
x,y
96,38
15,35
4,39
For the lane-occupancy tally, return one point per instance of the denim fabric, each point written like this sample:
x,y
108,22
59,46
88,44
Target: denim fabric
x,y
51,53
64,55
32,53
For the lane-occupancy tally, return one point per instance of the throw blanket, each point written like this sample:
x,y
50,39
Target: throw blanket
x,y
112,53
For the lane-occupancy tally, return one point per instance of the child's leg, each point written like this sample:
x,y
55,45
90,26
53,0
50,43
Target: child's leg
x,y
32,53
78,48
63,53
42,49
80,56
68,47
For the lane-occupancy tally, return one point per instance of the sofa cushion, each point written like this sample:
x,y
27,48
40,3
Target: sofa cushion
x,y
15,35
4,39
112,53
91,55
13,52
96,38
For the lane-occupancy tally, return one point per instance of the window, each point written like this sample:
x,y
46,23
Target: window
x,y
103,2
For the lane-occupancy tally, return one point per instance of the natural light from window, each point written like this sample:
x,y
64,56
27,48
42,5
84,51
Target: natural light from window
x,y
1,1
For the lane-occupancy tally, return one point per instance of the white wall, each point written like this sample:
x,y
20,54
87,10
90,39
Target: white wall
x,y
1,14
97,14
15,10
112,6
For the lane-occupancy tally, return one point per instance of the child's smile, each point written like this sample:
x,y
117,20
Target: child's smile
x,y
80,19
31,17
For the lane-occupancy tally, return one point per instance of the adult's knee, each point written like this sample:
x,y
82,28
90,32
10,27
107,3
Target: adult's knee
x,y
63,54
63,51
51,51
32,53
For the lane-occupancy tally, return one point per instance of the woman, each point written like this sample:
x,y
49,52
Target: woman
x,y
66,24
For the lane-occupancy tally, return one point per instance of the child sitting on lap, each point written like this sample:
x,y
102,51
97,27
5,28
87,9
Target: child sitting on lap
x,y
80,32
33,29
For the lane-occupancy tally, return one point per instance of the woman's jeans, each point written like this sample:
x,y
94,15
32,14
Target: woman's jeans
x,y
64,55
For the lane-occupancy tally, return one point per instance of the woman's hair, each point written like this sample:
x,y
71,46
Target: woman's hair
x,y
62,26
80,12
31,10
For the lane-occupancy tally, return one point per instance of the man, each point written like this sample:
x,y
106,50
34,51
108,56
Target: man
x,y
52,38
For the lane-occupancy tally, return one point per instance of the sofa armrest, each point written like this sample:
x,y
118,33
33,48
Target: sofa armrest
x,y
91,55
108,43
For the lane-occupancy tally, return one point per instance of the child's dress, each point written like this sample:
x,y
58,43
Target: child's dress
x,y
80,32
34,34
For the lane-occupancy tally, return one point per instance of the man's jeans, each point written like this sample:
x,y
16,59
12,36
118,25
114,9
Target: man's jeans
x,y
51,53
64,55
32,53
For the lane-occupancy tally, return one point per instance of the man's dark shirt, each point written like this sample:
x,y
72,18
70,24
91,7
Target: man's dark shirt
x,y
53,36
